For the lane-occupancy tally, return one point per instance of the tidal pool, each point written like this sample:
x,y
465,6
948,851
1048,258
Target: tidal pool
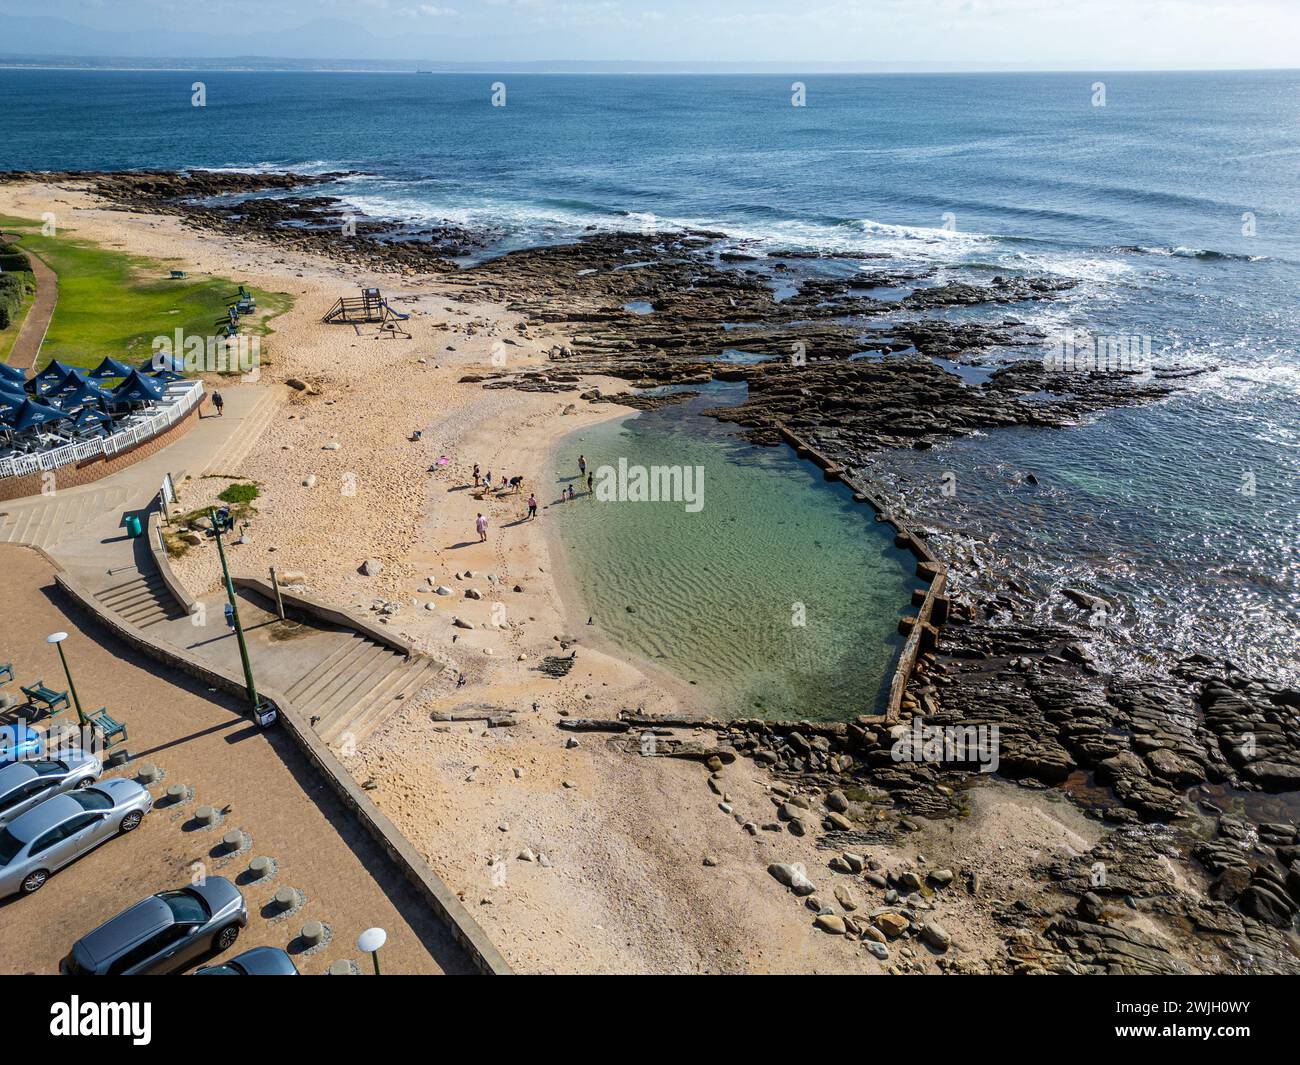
x,y
766,587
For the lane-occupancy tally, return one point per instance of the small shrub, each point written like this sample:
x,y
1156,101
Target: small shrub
x,y
238,493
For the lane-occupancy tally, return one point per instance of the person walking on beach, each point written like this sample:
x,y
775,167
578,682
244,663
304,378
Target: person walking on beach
x,y
218,402
487,481
476,475
481,526
532,506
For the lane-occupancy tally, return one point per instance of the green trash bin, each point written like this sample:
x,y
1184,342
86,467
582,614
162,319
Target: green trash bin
x,y
133,526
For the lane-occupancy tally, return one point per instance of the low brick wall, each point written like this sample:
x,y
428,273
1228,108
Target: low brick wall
x,y
31,484
450,910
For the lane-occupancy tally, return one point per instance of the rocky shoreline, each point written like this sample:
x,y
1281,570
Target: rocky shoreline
x,y
286,208
1154,759
1144,755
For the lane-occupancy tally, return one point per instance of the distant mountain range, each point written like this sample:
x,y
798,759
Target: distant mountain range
x,y
321,39
337,44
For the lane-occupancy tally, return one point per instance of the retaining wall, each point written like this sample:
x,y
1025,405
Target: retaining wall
x,y
329,615
932,612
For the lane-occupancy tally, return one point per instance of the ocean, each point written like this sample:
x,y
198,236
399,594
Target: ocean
x,y
1174,202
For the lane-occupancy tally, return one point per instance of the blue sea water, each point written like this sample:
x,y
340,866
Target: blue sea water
x,y
1176,206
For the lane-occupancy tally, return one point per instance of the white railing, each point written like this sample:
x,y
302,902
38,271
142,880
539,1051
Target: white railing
x,y
181,398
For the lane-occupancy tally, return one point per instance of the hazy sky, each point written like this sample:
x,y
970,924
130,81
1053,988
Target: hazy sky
x,y
1027,33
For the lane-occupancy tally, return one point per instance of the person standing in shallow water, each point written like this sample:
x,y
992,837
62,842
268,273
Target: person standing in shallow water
x,y
582,465
481,526
591,480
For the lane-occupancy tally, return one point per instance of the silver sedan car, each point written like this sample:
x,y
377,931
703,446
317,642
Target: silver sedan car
x,y
24,785
60,830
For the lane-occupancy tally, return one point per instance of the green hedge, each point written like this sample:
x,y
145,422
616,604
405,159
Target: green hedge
x,y
12,289
14,262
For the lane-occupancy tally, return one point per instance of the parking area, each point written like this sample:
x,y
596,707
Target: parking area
x,y
258,783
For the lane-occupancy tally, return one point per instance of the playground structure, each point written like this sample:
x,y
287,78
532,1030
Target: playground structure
x,y
370,308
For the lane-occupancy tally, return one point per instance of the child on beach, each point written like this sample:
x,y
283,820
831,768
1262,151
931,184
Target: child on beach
x,y
532,506
481,526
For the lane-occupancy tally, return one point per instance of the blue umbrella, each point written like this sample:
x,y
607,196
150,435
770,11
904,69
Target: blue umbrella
x,y
88,416
10,402
80,392
138,388
110,368
162,361
31,414
12,374
51,378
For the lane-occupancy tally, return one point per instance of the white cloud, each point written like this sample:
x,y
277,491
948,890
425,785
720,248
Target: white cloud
x,y
428,11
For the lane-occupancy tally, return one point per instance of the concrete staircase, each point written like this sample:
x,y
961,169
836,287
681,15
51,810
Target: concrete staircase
x,y
142,599
350,692
44,521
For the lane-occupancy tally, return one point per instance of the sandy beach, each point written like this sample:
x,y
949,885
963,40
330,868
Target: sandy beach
x,y
575,854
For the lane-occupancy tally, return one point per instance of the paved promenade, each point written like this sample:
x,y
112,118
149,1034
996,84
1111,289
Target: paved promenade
x,y
198,737
201,740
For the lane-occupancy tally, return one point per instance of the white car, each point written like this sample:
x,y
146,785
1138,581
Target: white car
x,y
60,830
27,784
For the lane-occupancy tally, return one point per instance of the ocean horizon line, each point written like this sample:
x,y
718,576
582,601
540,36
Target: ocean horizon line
x,y
253,64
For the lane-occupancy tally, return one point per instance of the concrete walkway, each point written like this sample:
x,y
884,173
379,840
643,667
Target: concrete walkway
x,y
27,346
346,682
84,527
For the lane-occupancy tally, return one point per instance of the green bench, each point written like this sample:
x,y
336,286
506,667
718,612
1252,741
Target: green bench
x,y
113,731
52,702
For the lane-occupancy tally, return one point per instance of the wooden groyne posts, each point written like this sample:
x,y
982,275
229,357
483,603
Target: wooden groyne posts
x,y
932,604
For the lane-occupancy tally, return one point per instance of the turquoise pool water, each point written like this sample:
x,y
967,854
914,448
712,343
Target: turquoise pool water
x,y
775,594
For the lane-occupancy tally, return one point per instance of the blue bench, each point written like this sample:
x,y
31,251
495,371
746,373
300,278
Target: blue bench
x,y
113,731
6,673
47,699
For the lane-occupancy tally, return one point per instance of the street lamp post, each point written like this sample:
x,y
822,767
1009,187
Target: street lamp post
x,y
263,715
370,941
57,639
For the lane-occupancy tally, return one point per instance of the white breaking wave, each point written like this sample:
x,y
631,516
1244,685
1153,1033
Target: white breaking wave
x,y
934,245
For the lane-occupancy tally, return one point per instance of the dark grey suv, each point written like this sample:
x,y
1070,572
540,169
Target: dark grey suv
x,y
163,933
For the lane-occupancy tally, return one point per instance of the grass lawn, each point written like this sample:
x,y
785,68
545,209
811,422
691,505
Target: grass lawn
x,y
111,303
8,336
